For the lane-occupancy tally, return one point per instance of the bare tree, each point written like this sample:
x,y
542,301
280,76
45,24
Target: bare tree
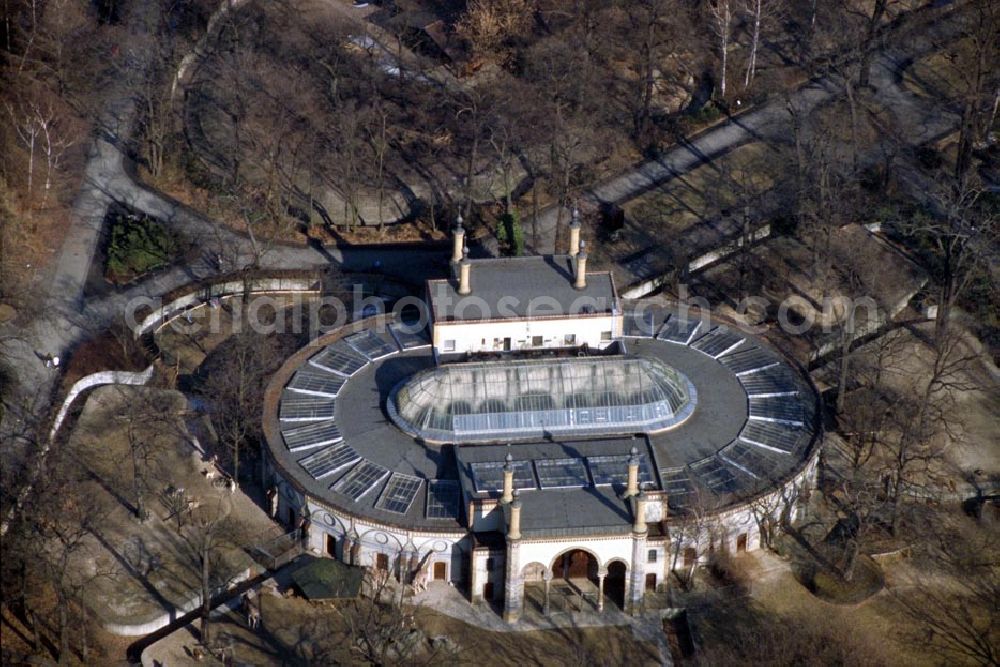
x,y
52,540
759,13
149,418
721,15
858,500
234,379
378,135
208,536
650,22
380,627
771,511
690,527
488,25
956,618
926,424
826,196
349,156
867,47
25,123
864,418
961,239
976,70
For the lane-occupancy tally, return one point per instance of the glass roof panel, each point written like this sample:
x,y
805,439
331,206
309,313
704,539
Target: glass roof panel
x,y
399,493
561,473
488,476
493,400
442,499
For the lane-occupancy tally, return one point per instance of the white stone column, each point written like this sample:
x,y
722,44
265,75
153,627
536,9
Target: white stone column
x,y
636,574
475,580
458,241
513,599
601,574
547,577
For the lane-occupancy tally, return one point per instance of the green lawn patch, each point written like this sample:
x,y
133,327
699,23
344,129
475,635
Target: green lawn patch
x,y
137,245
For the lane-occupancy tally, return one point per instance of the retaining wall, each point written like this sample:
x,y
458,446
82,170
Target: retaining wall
x,y
95,380
166,617
228,288
639,290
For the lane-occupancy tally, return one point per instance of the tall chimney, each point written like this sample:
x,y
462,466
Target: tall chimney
x,y
514,530
633,473
457,240
581,268
508,479
639,525
574,233
465,274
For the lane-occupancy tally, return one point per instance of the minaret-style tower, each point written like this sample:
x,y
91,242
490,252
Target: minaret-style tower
x,y
457,240
580,281
465,274
508,479
574,233
637,570
513,583
632,487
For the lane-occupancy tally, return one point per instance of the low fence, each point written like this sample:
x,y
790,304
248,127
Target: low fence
x,y
164,618
646,287
96,380
882,320
887,557
81,385
279,551
227,288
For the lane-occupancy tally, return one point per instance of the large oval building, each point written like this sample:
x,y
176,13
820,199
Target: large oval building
x,y
535,433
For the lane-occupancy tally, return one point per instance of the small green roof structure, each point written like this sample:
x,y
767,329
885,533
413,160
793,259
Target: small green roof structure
x,y
328,579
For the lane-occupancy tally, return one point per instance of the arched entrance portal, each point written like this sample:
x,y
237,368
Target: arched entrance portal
x,y
614,583
576,564
575,584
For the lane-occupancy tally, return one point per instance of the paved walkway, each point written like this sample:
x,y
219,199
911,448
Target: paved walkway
x,y
449,600
919,120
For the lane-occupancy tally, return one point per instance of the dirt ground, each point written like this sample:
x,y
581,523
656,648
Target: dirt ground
x,y
872,623
975,417
876,631
697,197
968,440
138,569
938,75
293,631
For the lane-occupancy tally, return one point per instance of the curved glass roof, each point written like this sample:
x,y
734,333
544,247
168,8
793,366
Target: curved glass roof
x,y
497,400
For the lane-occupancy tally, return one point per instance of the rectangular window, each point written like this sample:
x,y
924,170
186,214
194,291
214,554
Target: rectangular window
x,y
537,341
605,335
651,556
489,564
570,339
449,345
